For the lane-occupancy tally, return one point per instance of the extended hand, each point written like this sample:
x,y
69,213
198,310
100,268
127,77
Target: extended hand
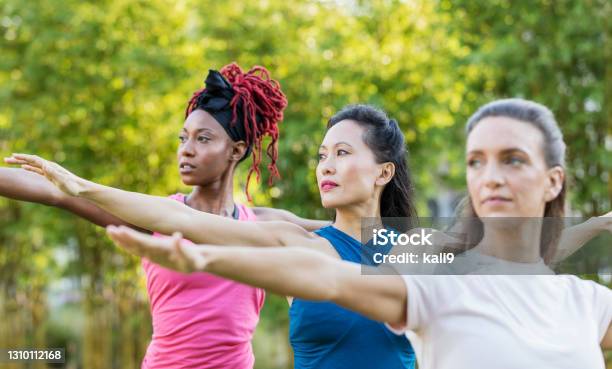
x,y
168,252
59,176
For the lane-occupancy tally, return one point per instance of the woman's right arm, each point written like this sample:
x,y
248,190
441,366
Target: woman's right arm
x,y
297,271
19,184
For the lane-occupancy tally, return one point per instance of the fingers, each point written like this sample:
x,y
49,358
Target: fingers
x,y
32,160
168,252
178,255
122,236
177,236
192,255
31,163
135,235
30,168
115,233
12,160
156,249
16,159
177,248
198,261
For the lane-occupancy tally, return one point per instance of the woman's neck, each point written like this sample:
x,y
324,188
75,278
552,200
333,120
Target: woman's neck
x,y
516,240
349,219
215,198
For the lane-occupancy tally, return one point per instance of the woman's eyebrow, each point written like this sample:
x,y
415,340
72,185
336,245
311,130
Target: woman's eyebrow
x,y
503,152
336,144
343,143
513,150
208,130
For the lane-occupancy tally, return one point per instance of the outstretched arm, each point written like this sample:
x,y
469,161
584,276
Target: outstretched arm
x,y
297,271
164,215
270,214
19,184
573,238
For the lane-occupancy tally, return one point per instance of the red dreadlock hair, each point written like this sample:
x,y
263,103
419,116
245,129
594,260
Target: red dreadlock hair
x,y
261,97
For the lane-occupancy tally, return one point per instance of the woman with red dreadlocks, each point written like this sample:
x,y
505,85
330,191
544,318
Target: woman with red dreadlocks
x,y
199,320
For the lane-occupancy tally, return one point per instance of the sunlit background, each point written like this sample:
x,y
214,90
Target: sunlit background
x,y
101,87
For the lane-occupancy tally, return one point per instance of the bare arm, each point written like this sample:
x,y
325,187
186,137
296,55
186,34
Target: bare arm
x,y
573,238
311,275
606,343
164,215
296,271
19,184
167,216
270,214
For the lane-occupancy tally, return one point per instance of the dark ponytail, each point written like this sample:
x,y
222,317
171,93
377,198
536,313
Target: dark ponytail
x,y
386,140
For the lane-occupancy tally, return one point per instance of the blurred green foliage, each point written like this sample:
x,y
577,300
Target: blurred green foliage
x,y
101,87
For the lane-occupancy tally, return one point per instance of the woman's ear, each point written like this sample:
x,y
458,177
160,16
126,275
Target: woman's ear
x,y
386,174
238,150
556,177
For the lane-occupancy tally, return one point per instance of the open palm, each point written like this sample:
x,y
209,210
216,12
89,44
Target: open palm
x,y
58,175
168,252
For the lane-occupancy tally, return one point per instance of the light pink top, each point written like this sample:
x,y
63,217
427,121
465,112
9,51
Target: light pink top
x,y
200,320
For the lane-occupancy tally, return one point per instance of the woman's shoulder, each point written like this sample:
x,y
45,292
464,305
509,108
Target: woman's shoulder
x,y
586,286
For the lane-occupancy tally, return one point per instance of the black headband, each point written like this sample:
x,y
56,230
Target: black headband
x,y
216,100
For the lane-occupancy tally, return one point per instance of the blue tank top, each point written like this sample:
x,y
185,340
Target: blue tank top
x,y
326,336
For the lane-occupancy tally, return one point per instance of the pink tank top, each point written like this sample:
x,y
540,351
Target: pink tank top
x,y
200,320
